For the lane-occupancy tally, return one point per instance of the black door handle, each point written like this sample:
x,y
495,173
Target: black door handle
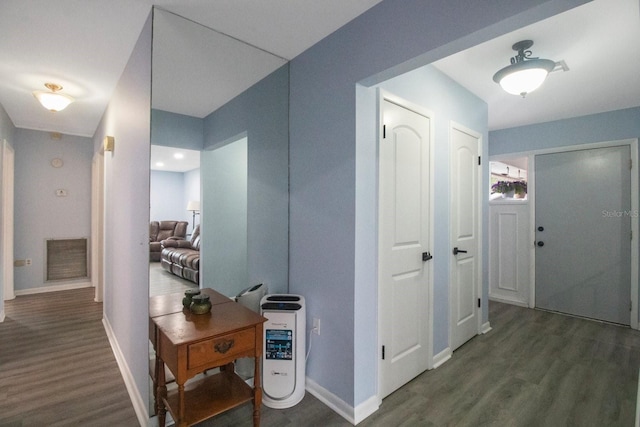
x,y
541,244
457,251
426,256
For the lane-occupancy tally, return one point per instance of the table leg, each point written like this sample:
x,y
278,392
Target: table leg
x,y
161,391
257,393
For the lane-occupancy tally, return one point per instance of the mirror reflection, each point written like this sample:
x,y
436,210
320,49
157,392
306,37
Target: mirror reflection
x,y
219,214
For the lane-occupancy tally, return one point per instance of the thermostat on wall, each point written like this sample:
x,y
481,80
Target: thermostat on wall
x,y
57,162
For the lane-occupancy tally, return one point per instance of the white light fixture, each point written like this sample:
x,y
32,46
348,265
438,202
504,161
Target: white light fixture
x,y
53,101
525,74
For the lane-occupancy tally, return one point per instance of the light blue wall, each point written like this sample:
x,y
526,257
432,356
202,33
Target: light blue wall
x,y
260,114
609,126
176,130
39,214
448,101
327,247
126,210
167,197
224,219
7,131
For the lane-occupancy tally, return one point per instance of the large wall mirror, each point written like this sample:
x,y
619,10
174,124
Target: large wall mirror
x,y
224,103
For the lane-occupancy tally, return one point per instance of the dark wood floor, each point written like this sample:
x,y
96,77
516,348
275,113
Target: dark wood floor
x,y
56,365
533,369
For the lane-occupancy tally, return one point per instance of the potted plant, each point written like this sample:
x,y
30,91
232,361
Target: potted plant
x,y
520,188
504,187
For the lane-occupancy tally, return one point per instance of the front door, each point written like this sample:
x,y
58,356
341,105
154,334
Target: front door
x,y
583,233
404,226
464,234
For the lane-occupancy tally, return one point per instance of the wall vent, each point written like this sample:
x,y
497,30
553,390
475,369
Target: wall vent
x,y
67,259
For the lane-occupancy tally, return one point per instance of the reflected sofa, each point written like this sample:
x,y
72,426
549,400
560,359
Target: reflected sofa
x,y
182,257
163,230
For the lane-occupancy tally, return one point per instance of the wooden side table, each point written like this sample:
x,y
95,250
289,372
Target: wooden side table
x,y
192,343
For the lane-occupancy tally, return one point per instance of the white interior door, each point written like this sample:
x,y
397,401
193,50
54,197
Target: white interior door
x,y
404,236
583,233
464,235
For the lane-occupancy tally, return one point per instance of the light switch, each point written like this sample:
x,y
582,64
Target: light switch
x,y
61,192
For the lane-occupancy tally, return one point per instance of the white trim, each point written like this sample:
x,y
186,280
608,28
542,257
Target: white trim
x,y
140,406
442,357
338,405
383,96
8,206
55,288
2,316
635,207
486,328
638,403
506,300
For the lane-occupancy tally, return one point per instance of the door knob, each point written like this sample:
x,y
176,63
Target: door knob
x,y
457,251
541,244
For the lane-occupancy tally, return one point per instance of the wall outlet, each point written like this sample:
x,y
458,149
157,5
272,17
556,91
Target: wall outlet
x,y
27,261
316,326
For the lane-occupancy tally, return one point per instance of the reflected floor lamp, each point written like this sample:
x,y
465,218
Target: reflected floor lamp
x,y
194,207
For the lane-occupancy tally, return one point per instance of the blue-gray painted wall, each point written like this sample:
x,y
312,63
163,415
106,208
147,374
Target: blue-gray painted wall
x,y
38,213
176,130
609,126
261,114
325,240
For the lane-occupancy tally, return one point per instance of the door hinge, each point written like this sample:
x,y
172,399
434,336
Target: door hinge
x,y
384,131
479,302
382,352
479,160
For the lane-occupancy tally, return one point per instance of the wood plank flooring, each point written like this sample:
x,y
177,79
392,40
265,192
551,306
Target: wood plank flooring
x,y
56,365
533,369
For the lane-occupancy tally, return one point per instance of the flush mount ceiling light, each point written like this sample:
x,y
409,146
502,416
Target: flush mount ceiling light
x,y
53,101
525,74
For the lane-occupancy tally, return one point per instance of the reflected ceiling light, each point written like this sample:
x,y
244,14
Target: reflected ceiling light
x,y
53,101
525,74
178,156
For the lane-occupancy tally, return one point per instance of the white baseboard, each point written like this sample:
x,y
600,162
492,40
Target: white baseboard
x,y
442,357
486,327
61,287
638,403
509,301
339,406
139,405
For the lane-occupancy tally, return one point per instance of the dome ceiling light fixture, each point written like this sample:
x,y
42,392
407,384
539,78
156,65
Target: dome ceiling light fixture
x,y
526,73
53,101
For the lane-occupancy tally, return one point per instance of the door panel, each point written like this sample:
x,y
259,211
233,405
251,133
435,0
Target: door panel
x,y
404,236
464,235
583,206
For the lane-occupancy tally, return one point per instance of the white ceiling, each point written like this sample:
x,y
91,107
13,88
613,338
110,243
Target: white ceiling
x,y
84,46
600,43
169,159
91,42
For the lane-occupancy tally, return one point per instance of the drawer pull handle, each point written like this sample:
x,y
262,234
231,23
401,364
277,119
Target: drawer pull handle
x,y
223,346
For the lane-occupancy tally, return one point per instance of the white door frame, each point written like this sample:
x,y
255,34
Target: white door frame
x,y
97,225
8,206
479,191
386,96
635,211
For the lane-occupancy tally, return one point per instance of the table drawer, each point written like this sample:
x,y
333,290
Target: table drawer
x,y
220,348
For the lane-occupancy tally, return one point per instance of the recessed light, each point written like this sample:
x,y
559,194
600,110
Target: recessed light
x,y
178,156
159,164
